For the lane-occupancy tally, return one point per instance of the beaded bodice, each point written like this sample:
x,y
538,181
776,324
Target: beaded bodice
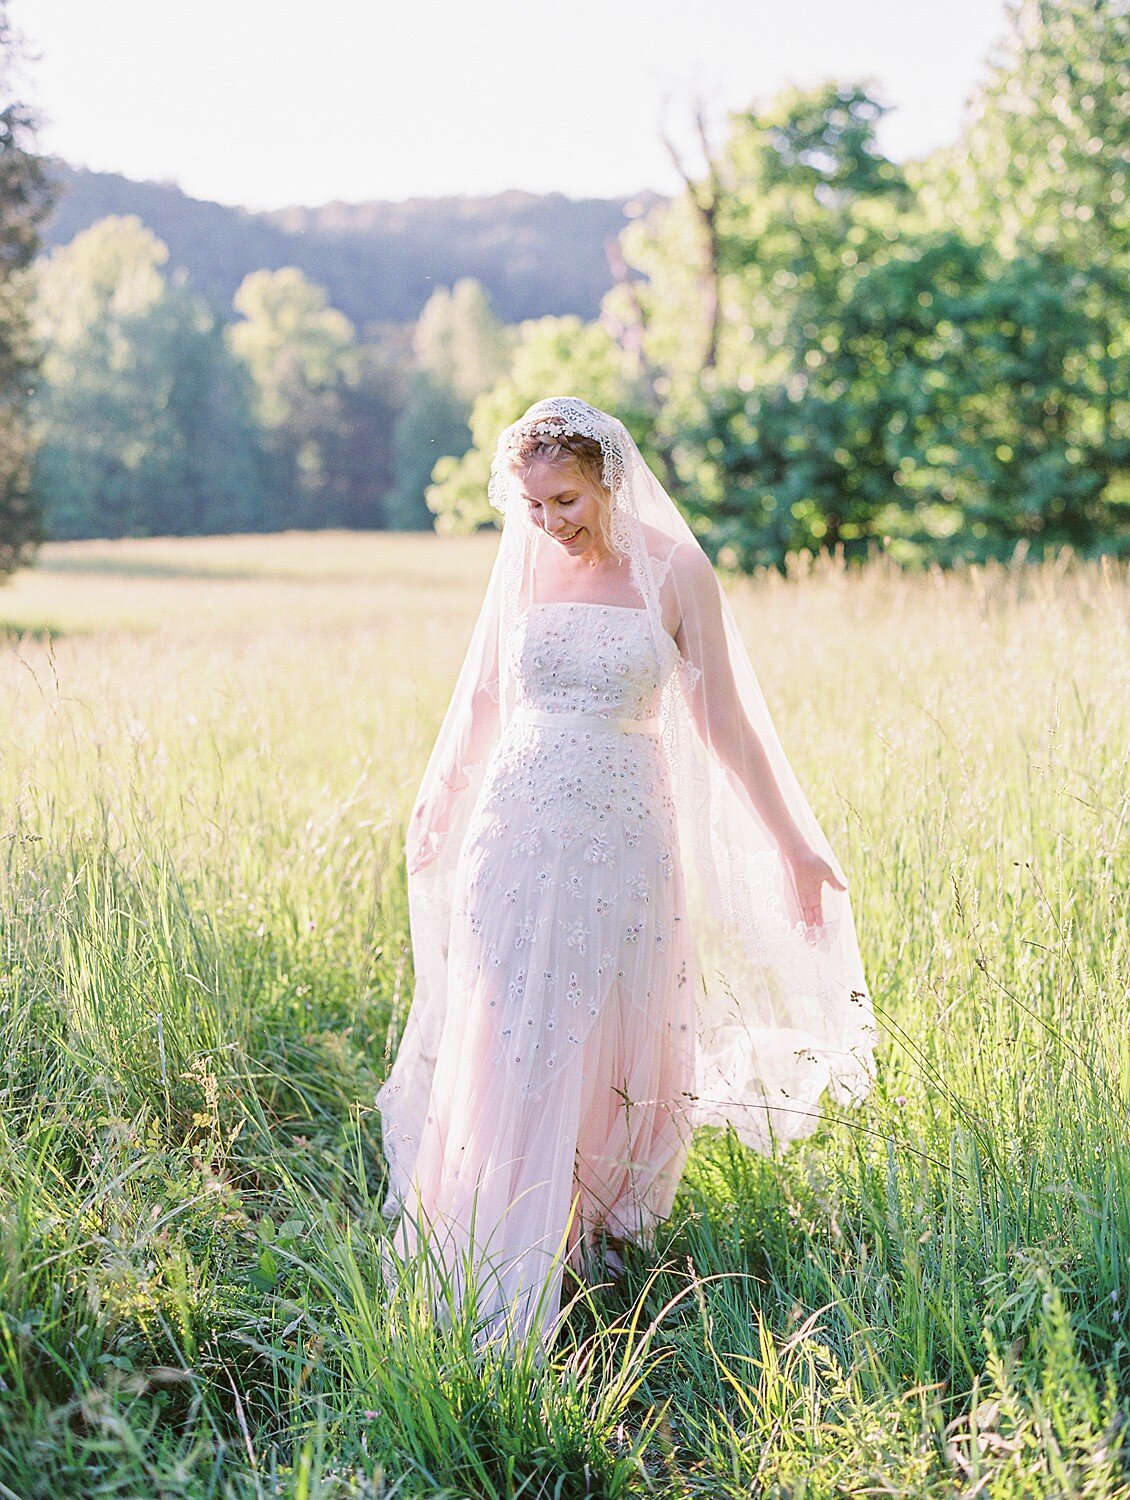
x,y
573,656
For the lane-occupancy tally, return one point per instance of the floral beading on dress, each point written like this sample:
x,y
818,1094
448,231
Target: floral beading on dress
x,y
563,1082
568,881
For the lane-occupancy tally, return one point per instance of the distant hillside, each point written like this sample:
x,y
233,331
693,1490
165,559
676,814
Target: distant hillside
x,y
536,254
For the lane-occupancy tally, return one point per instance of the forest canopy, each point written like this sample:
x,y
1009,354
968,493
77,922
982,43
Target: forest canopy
x,y
816,346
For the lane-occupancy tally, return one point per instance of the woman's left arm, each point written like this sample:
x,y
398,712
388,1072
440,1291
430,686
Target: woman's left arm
x,y
721,721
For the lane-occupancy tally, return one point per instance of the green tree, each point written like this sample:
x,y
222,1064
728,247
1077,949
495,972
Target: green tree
x,y
143,416
553,357
1042,168
214,469
325,402
101,411
800,202
953,414
460,349
25,197
302,355
459,340
875,375
430,428
803,205
1042,163
360,459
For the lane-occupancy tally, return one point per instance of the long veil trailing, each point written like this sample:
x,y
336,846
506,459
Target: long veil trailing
x,y
782,1009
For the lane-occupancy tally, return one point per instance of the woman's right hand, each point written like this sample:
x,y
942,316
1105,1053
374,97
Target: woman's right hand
x,y
421,845
427,826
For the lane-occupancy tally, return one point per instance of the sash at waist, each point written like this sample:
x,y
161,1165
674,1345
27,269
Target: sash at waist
x,y
547,719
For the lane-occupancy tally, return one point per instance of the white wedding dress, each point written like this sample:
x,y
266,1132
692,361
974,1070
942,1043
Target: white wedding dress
x,y
560,1101
608,944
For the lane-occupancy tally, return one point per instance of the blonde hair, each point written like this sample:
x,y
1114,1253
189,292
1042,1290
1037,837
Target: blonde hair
x,y
583,455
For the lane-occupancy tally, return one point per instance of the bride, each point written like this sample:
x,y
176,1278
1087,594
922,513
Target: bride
x,y
626,920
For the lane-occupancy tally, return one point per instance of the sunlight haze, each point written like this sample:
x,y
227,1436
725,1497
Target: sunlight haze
x,y
271,102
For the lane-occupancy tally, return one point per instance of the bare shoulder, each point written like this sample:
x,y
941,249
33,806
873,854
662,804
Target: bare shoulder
x,y
683,575
683,557
658,542
690,566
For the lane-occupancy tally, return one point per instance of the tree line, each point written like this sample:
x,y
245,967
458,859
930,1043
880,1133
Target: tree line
x,y
535,253
830,350
156,414
816,346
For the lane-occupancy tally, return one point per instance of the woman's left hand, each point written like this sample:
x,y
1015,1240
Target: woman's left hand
x,y
808,872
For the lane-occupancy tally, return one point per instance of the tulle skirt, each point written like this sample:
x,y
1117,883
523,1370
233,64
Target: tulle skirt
x,y
509,1189
555,1122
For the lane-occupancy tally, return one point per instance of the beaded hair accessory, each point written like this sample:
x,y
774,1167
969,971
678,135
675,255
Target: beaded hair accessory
x,y
558,417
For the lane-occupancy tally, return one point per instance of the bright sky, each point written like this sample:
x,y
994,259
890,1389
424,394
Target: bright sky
x,y
270,102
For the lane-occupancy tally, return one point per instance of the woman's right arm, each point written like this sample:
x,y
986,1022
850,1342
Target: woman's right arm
x,y
446,780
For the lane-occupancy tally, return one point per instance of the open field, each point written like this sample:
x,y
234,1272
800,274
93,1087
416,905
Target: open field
x,y
207,752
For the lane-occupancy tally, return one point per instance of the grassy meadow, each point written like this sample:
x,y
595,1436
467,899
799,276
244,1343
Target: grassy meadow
x,y
208,750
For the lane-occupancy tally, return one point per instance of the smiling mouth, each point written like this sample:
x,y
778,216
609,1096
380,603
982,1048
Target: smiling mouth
x,y
570,538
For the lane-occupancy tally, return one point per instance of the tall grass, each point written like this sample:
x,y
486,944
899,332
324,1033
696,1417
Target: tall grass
x,y
207,753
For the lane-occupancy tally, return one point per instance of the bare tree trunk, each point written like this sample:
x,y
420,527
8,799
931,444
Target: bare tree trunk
x,y
632,331
632,334
706,197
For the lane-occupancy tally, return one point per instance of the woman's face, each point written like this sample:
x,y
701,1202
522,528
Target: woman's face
x,y
563,504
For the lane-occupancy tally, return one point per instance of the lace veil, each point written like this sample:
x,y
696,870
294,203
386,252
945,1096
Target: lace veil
x,y
783,1011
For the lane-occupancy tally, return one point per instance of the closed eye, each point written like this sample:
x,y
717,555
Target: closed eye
x,y
535,505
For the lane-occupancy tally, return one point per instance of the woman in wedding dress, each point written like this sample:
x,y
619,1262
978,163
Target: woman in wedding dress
x,y
626,921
